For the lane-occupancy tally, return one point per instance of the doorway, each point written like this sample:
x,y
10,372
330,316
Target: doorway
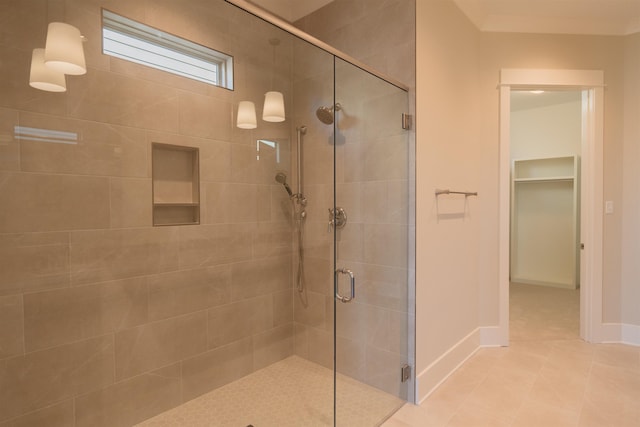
x,y
591,84
545,151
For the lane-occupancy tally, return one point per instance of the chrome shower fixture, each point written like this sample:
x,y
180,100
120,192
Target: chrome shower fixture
x,y
281,178
325,114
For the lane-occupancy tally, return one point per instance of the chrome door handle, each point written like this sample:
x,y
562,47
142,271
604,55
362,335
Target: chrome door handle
x,y
352,281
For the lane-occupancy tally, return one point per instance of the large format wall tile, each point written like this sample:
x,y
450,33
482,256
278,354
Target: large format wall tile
x,y
58,415
100,149
159,344
272,239
260,277
33,381
11,326
71,314
130,202
216,368
311,309
383,286
382,371
131,102
239,320
283,307
14,82
9,147
318,275
204,116
23,24
320,347
272,345
34,202
227,203
209,245
33,261
244,164
129,402
97,256
386,244
187,291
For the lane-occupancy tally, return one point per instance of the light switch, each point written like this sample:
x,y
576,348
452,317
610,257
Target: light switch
x,y
608,207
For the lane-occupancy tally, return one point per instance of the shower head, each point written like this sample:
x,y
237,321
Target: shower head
x,y
281,178
325,114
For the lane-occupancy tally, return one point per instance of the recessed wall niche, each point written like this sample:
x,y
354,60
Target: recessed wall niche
x,y
176,184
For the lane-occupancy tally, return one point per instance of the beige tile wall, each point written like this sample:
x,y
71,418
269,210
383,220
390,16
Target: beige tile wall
x,y
104,319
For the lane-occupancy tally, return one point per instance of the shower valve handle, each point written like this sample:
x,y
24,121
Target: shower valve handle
x,y
337,217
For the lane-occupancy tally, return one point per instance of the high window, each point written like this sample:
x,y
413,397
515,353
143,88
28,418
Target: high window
x,y
139,43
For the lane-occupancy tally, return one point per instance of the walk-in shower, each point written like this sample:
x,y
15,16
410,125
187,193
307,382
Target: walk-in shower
x,y
156,251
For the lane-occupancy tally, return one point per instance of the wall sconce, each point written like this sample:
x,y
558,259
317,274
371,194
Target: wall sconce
x,y
63,54
273,110
63,51
246,115
44,78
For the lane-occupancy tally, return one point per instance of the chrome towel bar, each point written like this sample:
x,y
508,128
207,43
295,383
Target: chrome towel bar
x,y
466,193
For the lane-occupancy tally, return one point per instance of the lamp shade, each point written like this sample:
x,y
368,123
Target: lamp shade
x,y
63,51
246,115
44,78
273,110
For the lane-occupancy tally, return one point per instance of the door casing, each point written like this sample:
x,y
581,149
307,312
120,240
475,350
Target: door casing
x,y
591,82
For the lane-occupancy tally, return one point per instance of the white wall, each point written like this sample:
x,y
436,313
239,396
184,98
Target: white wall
x,y
508,50
552,130
630,293
447,153
457,100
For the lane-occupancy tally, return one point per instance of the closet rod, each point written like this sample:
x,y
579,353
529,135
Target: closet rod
x,y
466,193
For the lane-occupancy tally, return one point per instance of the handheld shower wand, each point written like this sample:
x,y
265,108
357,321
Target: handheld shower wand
x,y
281,178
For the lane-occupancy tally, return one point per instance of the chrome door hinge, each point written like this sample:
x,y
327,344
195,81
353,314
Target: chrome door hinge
x,y
405,373
407,121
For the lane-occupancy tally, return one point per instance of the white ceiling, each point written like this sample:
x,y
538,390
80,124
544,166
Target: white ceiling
x,y
524,100
603,17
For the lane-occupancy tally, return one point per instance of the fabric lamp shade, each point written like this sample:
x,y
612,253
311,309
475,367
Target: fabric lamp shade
x,y
273,110
246,115
63,51
44,78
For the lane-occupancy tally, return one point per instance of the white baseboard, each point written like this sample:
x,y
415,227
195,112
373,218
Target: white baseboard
x,y
607,332
631,334
620,333
492,336
438,371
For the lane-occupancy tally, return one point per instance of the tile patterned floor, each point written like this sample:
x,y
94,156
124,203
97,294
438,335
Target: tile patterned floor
x,y
293,392
548,377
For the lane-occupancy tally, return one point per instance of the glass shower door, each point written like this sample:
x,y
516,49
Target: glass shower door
x,y
371,224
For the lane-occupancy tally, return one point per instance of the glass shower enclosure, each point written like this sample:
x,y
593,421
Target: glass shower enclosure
x,y
163,262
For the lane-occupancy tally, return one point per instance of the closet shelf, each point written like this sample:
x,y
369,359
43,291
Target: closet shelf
x,y
545,179
176,204
545,221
